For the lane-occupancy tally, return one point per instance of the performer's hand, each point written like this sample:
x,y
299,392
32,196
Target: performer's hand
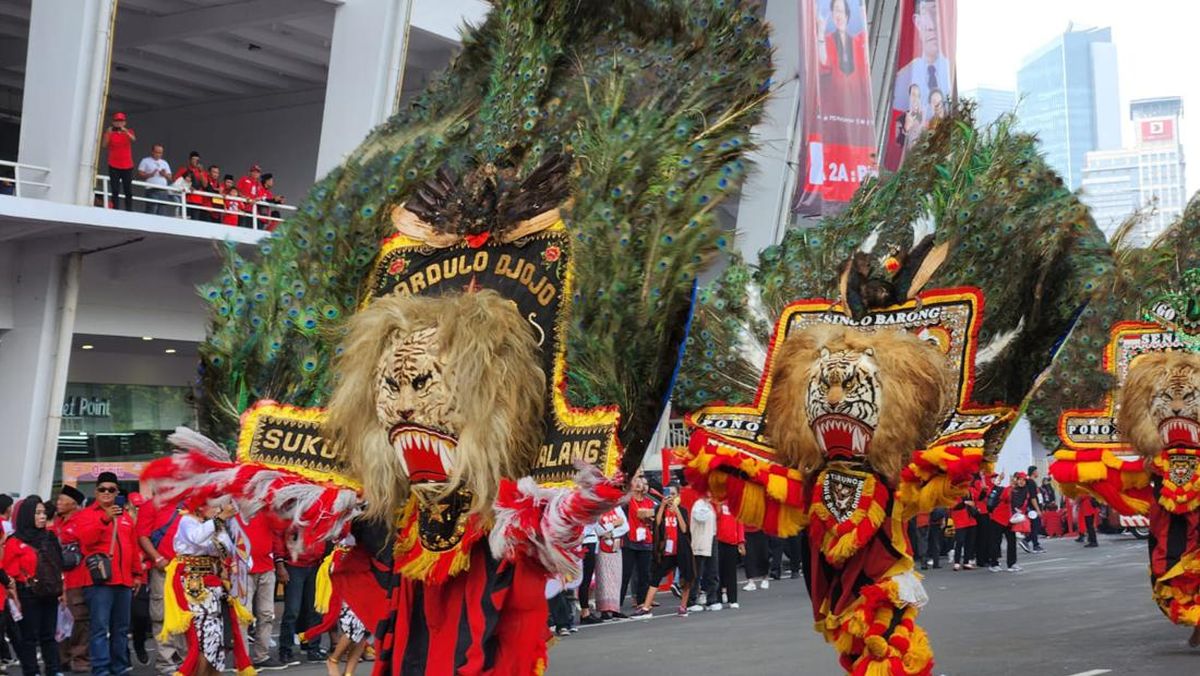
x,y
113,511
281,573
742,550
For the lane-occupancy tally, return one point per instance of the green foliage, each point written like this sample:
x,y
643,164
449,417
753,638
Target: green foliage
x,y
653,98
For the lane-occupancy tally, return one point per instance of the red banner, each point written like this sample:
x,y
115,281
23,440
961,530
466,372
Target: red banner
x,y
925,74
836,119
1158,130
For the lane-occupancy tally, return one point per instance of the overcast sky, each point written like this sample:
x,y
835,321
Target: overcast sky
x,y
1158,50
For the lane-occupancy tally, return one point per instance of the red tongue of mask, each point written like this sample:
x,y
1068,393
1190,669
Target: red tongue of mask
x,y
423,452
1181,433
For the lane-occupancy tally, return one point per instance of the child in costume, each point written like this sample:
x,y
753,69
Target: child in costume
x,y
197,599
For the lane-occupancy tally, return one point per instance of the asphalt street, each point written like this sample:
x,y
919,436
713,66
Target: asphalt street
x,y
1071,612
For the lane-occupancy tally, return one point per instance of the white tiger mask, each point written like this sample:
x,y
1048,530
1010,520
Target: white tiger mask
x,y
414,404
844,396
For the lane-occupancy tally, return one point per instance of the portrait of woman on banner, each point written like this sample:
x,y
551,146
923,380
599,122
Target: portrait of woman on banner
x,y
845,76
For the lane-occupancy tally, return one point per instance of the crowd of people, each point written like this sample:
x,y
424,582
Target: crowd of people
x,y
88,578
994,517
193,191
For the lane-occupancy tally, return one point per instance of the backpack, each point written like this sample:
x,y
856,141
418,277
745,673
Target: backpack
x,y
47,580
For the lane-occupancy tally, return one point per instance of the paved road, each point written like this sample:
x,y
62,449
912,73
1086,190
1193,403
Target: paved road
x,y
1072,612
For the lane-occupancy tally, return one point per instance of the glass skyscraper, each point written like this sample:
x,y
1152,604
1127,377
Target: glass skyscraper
x,y
1068,97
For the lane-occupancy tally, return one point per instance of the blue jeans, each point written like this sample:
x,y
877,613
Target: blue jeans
x,y
298,599
109,644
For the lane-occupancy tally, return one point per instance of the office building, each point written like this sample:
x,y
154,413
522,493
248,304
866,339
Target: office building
x,y
991,103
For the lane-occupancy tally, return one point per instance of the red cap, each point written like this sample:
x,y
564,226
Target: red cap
x,y
255,167
118,116
1020,475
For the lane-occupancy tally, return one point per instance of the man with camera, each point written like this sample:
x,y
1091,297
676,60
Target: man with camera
x,y
118,140
110,553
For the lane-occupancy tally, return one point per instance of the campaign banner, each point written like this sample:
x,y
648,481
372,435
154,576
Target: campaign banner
x,y
289,438
836,120
925,84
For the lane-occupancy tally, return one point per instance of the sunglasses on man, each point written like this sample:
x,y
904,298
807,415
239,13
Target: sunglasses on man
x,y
106,489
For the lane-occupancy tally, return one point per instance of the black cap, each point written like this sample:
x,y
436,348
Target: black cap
x,y
73,493
194,153
107,478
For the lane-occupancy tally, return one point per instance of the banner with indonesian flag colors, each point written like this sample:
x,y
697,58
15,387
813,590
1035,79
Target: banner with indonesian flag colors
x,y
925,85
836,121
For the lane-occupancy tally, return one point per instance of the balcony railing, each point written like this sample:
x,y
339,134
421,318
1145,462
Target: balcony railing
x,y
21,182
251,214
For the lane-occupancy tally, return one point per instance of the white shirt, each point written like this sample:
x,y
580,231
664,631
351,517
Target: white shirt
x,y
151,166
200,538
704,527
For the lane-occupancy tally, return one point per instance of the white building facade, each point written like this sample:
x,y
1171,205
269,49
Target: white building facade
x,y
1150,176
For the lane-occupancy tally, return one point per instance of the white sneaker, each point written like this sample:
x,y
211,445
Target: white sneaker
x,y
1015,568
995,569
750,586
734,606
696,608
765,584
715,606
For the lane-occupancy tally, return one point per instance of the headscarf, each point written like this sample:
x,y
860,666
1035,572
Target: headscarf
x,y
23,525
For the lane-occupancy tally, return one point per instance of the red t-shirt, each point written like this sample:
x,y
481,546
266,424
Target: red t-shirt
x,y
250,188
96,537
152,517
262,543
640,531
670,533
120,150
729,529
233,210
20,560
67,530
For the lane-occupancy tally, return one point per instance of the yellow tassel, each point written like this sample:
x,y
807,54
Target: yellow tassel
x,y
324,585
877,668
243,613
777,487
754,506
176,616
248,671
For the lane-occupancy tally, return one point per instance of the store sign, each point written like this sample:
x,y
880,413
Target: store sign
x,y
86,407
1158,130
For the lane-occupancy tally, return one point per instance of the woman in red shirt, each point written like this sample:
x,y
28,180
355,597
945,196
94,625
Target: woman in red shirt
x,y
639,543
731,544
963,516
119,141
36,567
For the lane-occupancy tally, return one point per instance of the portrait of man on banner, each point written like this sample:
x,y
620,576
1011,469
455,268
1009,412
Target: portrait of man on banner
x,y
836,118
925,76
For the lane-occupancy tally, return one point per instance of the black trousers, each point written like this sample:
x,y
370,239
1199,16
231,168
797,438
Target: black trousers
x,y
635,566
589,569
1090,523
1010,545
933,545
38,623
706,569
120,182
560,611
139,616
984,539
727,565
758,555
964,544
775,551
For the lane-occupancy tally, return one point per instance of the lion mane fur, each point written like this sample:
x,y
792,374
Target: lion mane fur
x,y
492,367
1148,375
918,387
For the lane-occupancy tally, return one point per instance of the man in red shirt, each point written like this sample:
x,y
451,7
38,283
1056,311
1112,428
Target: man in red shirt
x,y
156,528
731,544
73,652
299,578
105,529
199,183
250,185
262,590
119,141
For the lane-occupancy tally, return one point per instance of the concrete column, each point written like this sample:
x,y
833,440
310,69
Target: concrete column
x,y
762,211
66,71
28,355
366,66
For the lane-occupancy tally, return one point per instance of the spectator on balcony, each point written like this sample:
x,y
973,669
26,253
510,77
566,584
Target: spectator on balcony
x,y
250,186
199,179
268,182
155,171
215,199
119,141
234,207
181,190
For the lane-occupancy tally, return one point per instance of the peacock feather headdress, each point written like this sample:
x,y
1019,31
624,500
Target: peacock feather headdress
x,y
970,208
637,112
